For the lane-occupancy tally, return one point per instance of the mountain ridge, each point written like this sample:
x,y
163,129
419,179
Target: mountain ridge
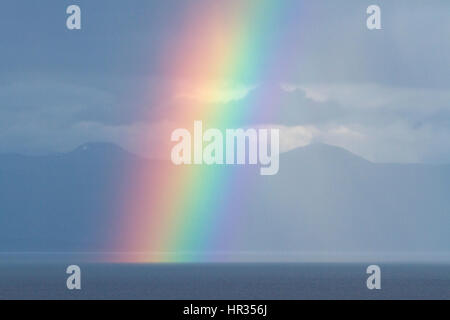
x,y
324,199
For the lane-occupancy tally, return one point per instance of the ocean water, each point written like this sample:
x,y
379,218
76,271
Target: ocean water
x,y
224,281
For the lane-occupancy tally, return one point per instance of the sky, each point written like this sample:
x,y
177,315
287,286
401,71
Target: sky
x,y
382,94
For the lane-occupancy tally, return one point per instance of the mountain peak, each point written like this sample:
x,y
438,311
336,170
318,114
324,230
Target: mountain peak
x,y
322,151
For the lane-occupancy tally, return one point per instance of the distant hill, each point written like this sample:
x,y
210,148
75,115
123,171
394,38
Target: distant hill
x,y
323,199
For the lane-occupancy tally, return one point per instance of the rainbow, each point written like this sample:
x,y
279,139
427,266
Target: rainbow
x,y
222,51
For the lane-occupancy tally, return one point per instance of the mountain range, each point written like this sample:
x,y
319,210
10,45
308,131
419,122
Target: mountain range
x,y
324,199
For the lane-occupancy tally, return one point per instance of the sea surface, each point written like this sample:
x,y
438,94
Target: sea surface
x,y
224,281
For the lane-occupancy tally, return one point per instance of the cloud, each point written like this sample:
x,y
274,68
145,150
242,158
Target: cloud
x,y
381,123
371,95
292,137
52,102
377,122
310,92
